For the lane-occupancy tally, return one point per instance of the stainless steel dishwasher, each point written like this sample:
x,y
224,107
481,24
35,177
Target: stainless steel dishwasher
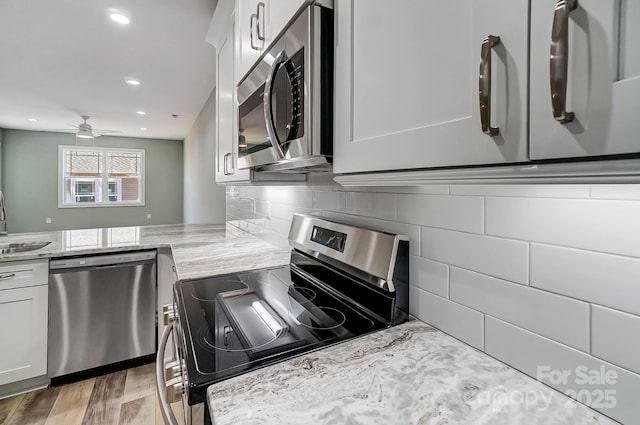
x,y
102,310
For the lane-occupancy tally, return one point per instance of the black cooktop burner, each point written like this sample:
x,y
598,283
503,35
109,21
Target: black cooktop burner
x,y
234,323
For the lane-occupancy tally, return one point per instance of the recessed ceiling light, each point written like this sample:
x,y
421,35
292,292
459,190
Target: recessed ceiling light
x,y
143,128
32,120
132,82
119,18
141,113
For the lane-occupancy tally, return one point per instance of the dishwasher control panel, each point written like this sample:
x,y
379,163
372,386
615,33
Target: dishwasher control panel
x,y
102,260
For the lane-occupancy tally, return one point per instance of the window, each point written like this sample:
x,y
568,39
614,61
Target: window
x,y
100,177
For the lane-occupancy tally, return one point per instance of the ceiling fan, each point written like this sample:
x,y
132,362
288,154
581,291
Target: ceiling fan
x,y
85,131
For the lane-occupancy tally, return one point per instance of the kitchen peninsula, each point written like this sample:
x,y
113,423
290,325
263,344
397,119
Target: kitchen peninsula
x,y
198,250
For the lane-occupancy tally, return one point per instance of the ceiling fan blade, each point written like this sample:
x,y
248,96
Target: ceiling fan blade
x,y
106,131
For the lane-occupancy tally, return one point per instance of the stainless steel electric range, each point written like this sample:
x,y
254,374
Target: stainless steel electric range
x,y
342,282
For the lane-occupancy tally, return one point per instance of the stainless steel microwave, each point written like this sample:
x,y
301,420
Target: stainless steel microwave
x,y
285,102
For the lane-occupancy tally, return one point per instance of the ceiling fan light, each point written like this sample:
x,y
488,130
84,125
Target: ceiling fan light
x,y
119,18
84,132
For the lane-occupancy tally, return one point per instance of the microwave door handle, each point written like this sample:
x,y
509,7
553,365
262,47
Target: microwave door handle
x,y
268,110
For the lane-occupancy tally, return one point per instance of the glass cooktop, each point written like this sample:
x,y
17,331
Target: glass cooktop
x,y
234,323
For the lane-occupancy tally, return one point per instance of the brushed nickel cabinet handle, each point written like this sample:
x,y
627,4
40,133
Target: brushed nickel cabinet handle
x,y
254,18
7,276
559,60
485,85
225,168
260,28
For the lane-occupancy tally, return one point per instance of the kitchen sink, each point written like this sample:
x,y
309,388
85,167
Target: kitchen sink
x,y
9,248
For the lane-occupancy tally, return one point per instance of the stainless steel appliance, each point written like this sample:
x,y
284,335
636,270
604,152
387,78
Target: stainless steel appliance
x,y
285,102
342,282
102,310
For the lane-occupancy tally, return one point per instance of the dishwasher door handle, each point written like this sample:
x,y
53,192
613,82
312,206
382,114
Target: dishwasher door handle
x,y
165,408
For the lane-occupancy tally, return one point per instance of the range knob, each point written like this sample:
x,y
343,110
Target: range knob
x,y
168,314
175,387
173,369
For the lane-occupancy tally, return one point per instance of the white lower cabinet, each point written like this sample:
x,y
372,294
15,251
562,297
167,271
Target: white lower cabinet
x,y
23,314
407,83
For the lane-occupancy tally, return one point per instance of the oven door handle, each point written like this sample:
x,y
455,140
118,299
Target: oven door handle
x,y
165,408
268,108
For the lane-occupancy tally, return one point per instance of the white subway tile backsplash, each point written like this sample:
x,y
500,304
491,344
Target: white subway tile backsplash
x,y
559,318
413,232
282,211
429,275
464,213
616,191
605,226
615,337
286,195
475,248
278,225
378,205
524,190
262,208
605,279
498,257
330,201
457,320
542,358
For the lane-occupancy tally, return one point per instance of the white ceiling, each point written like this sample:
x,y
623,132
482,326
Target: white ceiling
x,y
60,59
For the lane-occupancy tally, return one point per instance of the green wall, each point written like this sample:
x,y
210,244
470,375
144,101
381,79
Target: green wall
x,y
29,168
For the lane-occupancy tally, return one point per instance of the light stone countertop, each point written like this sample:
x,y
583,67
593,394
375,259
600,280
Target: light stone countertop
x,y
198,250
407,375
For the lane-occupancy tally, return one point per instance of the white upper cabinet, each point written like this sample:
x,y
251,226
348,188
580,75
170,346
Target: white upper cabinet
x,y
251,25
258,24
408,77
597,65
226,134
280,13
226,44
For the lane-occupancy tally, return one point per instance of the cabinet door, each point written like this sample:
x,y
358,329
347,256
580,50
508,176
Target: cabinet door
x,y
407,82
602,84
280,13
226,134
23,313
251,24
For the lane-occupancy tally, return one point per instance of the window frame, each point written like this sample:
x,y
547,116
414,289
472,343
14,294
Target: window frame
x,y
104,201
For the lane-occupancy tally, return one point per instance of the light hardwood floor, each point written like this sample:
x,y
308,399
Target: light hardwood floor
x,y
122,398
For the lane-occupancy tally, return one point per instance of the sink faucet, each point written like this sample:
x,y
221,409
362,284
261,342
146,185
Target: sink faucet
x,y
3,216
